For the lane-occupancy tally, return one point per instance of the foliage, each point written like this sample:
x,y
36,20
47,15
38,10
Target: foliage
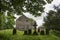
x,y
2,20
6,21
32,6
56,33
49,1
52,20
10,20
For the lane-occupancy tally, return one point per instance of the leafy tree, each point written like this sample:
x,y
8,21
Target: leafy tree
x,y
52,20
3,7
32,6
10,20
2,20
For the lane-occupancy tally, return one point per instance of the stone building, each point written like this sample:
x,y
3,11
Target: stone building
x,y
24,23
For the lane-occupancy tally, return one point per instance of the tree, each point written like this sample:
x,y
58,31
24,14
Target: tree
x,y
4,6
10,20
2,20
52,20
32,6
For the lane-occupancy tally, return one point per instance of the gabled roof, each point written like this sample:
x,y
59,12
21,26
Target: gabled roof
x,y
23,16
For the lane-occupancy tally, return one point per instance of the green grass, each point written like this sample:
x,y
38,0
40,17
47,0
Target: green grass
x,y
7,35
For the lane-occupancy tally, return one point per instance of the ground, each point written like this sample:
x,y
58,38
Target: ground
x,y
7,35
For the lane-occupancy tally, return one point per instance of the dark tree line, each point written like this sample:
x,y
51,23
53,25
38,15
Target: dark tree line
x,y
52,20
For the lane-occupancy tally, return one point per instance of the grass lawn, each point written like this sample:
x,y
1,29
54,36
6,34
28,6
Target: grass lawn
x,y
7,35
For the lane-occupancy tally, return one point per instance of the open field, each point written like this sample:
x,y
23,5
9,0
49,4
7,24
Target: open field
x,y
7,35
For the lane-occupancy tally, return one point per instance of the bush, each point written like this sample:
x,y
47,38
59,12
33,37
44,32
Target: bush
x,y
56,33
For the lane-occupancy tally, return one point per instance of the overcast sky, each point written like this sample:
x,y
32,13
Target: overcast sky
x,y
48,7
